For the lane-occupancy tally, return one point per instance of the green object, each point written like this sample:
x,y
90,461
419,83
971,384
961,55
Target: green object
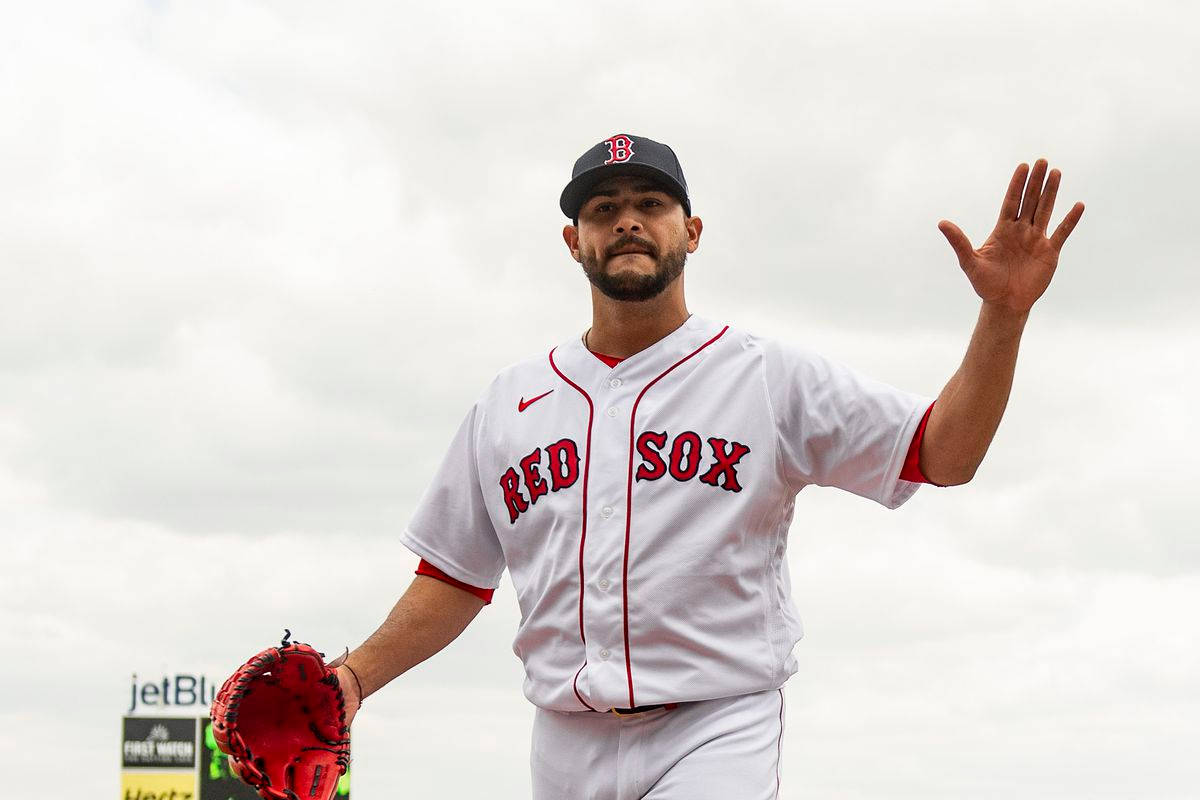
x,y
217,768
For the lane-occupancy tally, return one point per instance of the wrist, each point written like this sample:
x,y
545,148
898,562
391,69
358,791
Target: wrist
x,y
1001,315
353,681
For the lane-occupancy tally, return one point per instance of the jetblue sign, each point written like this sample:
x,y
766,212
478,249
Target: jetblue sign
x,y
171,691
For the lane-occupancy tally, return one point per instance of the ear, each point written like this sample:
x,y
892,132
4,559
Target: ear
x,y
571,237
694,226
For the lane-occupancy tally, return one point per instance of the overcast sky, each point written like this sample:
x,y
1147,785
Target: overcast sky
x,y
258,259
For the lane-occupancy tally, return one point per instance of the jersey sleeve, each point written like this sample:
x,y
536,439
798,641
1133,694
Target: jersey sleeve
x,y
451,528
837,427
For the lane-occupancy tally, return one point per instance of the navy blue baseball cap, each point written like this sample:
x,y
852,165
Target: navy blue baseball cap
x,y
624,154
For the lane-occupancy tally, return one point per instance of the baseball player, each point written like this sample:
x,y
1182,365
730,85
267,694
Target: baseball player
x,y
638,481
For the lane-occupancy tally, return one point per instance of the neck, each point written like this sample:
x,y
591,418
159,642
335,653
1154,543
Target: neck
x,y
621,328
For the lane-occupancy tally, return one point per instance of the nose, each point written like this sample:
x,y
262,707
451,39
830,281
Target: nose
x,y
628,223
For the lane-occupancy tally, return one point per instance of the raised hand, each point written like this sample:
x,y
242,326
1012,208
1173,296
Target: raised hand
x,y
1014,266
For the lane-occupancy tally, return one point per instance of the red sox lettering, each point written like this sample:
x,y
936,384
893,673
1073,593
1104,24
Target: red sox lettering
x,y
682,462
684,459
563,466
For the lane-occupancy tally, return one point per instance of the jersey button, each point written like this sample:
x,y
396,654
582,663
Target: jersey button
x,y
604,584
606,512
612,411
604,654
615,383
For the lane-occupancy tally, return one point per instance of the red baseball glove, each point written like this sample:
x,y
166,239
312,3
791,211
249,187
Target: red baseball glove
x,y
281,719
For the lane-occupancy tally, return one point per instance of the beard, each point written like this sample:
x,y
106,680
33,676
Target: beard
x,y
630,285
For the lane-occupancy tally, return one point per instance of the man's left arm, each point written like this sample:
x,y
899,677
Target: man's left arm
x,y
1009,272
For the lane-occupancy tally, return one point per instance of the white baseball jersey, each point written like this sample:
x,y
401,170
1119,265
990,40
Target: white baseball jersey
x,y
642,511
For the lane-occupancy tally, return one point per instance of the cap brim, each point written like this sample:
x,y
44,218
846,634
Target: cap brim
x,y
580,187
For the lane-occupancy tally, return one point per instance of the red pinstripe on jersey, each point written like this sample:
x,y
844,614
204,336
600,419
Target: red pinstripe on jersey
x,y
629,505
587,460
779,744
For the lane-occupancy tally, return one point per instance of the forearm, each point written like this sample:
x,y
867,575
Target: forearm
x,y
429,616
968,410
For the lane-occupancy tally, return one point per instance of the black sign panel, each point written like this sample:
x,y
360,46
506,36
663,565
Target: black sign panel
x,y
159,742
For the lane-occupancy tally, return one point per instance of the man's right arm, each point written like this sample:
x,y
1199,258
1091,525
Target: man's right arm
x,y
429,616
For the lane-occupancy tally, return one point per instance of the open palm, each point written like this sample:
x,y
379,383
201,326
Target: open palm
x,y
1014,266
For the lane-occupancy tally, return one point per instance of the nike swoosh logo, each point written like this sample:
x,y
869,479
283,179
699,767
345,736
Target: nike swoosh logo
x,y
522,404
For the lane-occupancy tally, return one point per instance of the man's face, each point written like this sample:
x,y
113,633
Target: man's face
x,y
632,238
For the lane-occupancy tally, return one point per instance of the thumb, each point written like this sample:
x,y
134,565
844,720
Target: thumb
x,y
958,240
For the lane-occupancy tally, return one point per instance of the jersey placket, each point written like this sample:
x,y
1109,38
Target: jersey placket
x,y
607,604
604,588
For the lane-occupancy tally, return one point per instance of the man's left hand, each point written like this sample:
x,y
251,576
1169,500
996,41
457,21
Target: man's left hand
x,y
1014,266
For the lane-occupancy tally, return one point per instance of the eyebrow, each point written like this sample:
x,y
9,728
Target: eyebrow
x,y
642,187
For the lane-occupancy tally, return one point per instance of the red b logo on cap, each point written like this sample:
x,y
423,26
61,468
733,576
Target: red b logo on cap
x,y
620,149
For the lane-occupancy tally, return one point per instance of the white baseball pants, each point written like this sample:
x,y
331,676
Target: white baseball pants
x,y
723,749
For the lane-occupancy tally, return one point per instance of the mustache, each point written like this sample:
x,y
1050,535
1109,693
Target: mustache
x,y
626,241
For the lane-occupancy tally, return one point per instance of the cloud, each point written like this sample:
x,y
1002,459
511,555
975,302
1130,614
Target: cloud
x,y
258,259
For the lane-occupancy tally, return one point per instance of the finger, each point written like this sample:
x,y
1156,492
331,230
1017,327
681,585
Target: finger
x,y
1012,198
1046,204
959,241
1033,191
1066,226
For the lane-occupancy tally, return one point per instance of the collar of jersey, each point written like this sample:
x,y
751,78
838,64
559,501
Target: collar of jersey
x,y
575,359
